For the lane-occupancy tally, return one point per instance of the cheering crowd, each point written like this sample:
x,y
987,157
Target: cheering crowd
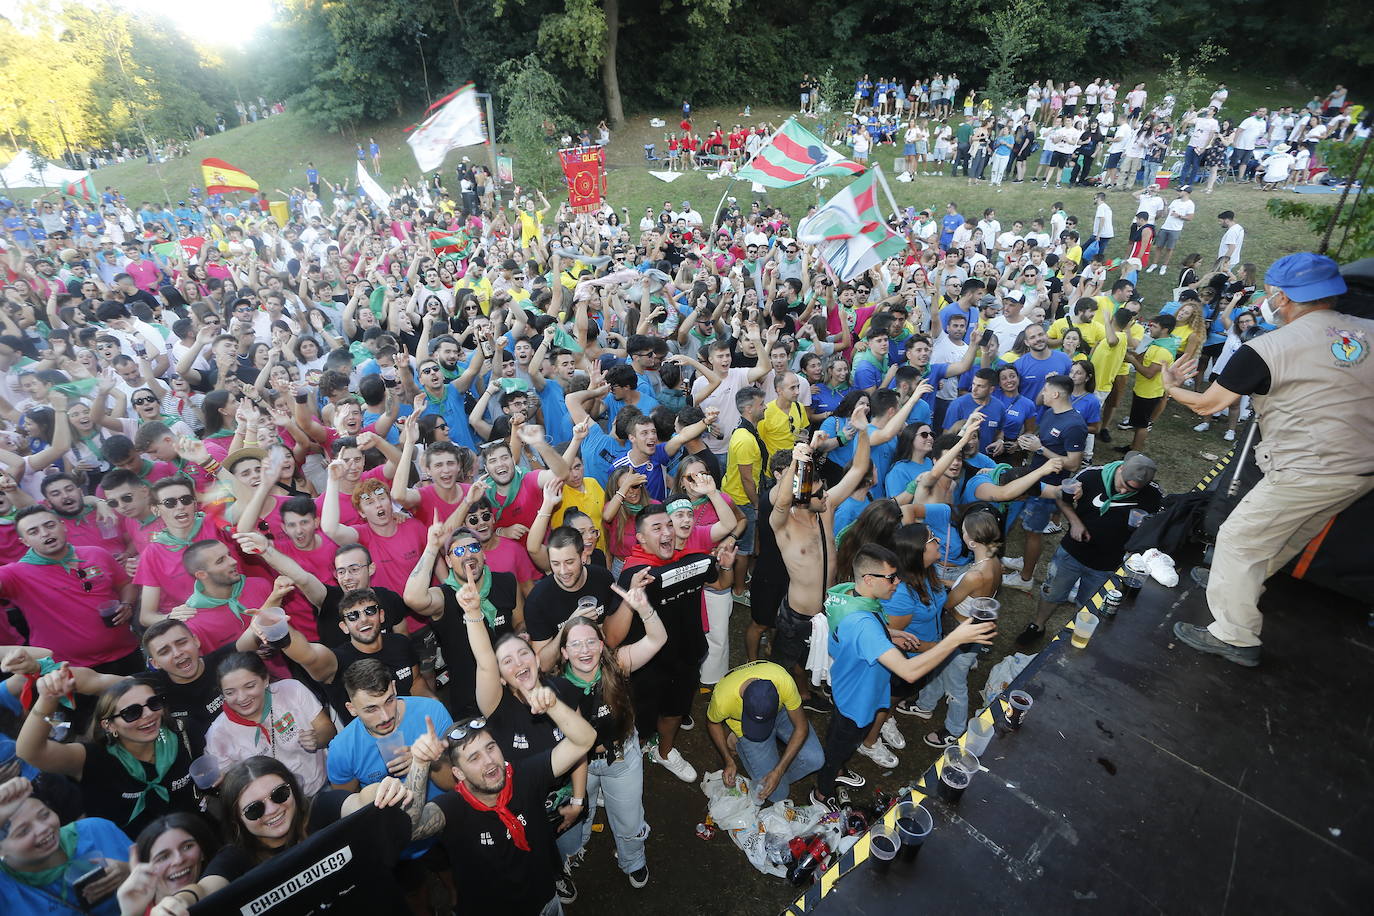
x,y
448,507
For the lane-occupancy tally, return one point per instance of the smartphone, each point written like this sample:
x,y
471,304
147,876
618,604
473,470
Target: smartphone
x,y
81,883
987,338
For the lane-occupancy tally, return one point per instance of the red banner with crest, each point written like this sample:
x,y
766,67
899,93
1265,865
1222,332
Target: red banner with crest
x,y
584,168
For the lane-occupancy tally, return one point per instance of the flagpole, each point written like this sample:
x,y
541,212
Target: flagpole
x,y
716,216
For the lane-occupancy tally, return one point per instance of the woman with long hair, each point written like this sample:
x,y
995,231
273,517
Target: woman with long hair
x,y
1072,345
834,384
594,679
172,852
628,497
914,443
133,768
1084,399
282,720
840,431
220,409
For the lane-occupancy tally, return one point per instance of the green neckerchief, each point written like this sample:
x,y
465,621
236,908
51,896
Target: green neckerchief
x,y
66,839
483,588
868,358
67,561
564,340
587,686
201,601
222,434
841,603
503,500
7,518
164,755
634,508
359,352
1108,483
46,665
176,544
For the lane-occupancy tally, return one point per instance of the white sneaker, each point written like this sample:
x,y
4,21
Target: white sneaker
x,y
1163,270
879,754
1014,580
1151,268
1229,435
675,764
1202,427
1013,563
891,736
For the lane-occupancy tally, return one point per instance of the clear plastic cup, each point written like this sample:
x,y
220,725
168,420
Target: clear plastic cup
x,y
978,736
883,844
1020,703
1084,625
390,745
108,612
204,772
984,610
914,824
1072,486
274,623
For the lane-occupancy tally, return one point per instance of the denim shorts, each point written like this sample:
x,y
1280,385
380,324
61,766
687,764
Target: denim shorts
x,y
1036,516
745,543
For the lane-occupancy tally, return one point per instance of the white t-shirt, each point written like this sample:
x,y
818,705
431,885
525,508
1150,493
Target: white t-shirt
x,y
1233,236
1136,98
1249,131
1090,94
1277,165
1204,129
294,707
1219,99
1151,204
723,399
1179,210
1006,330
1102,221
1071,95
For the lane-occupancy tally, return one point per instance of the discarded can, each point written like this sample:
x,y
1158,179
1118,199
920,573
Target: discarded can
x,y
706,831
1111,602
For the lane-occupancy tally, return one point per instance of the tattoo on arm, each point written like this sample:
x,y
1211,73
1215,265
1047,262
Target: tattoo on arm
x,y
430,823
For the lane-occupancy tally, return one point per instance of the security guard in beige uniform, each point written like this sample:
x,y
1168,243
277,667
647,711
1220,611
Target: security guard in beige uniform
x,y
1312,386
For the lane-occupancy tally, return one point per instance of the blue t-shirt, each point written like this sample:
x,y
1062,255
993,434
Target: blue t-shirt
x,y
925,616
843,455
95,838
654,471
849,510
647,402
940,521
453,408
859,683
882,457
903,473
599,453
963,406
825,399
1061,433
948,223
866,374
353,753
955,308
558,422
1015,412
312,176
1035,371
1088,407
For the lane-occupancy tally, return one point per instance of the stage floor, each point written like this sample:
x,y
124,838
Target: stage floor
x,y
1149,778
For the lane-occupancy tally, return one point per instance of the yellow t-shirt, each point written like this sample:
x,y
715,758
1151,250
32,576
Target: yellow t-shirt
x,y
1075,254
1182,332
590,499
531,227
778,428
1152,387
481,291
1108,361
727,705
743,451
1092,332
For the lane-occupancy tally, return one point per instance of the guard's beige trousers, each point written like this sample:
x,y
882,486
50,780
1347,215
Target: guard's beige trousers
x,y
1270,526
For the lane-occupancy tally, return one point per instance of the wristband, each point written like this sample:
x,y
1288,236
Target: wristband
x,y
212,466
467,619
189,890
302,398
579,802
281,644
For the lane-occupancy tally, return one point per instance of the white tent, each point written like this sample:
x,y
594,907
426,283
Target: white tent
x,y
21,173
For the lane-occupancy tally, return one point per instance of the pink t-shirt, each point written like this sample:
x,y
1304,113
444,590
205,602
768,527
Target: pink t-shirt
x,y
144,273
86,533
11,548
395,554
139,534
219,626
506,555
160,565
434,507
525,506
347,514
319,562
62,615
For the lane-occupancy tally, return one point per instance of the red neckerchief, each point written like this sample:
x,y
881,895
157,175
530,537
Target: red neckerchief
x,y
641,557
239,719
502,808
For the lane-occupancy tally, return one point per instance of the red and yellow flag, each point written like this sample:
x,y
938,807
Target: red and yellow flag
x,y
221,177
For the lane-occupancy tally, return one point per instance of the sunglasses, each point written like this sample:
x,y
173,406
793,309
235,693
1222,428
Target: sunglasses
x,y
891,577
172,502
428,369
371,610
134,711
483,516
461,549
925,434
144,400
441,426
116,501
278,796
461,730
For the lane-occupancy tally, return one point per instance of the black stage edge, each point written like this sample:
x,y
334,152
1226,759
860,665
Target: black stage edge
x,y
1150,778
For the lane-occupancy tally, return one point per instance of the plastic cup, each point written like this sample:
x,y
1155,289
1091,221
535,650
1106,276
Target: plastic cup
x,y
1137,517
108,612
1084,625
274,623
953,781
204,772
984,610
883,844
109,528
914,824
1072,486
389,746
955,755
1020,703
978,736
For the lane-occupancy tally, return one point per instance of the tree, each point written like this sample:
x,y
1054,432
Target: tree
x,y
532,98
1188,82
1347,228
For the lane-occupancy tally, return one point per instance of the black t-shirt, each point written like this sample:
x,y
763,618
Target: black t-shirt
x,y
452,634
593,707
1110,530
494,875
708,458
233,862
676,594
549,604
1246,372
194,704
396,652
327,615
108,791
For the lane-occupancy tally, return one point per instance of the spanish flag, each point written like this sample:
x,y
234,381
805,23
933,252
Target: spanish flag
x,y
221,177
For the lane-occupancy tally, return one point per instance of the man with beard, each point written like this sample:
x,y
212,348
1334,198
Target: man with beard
x,y
449,399
164,580
62,588
362,619
517,494
1040,362
503,554
572,589
665,687
222,596
502,603
186,678
66,500
500,844
394,541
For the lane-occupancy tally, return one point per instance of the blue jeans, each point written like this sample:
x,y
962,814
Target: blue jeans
x,y
1068,571
950,680
1149,171
761,757
621,784
1190,165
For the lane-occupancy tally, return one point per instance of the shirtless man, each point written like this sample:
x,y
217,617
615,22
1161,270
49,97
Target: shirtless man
x,y
806,537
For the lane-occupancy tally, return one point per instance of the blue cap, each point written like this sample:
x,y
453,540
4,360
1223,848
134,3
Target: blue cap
x,y
760,710
1306,277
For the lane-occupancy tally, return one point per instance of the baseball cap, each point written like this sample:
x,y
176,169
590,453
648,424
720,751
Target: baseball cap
x,y
760,710
987,301
1015,296
1138,468
1186,187
1306,277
